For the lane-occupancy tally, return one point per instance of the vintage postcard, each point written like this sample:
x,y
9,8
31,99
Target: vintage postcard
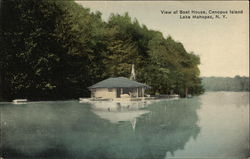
x,y
124,79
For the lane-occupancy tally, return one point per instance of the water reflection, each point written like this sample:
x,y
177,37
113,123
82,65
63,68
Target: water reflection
x,y
74,130
116,112
168,127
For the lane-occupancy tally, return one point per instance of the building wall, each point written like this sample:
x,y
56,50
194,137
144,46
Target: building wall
x,y
103,93
112,92
134,92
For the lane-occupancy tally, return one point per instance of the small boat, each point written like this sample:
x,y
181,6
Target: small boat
x,y
84,100
19,101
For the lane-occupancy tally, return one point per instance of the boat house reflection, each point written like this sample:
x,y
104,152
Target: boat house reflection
x,y
116,112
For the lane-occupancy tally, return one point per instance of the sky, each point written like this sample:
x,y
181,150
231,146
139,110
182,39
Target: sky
x,y
222,44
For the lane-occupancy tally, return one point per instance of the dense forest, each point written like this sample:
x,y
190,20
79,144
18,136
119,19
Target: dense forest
x,y
56,49
237,83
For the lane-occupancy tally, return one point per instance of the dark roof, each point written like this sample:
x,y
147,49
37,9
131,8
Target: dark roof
x,y
119,82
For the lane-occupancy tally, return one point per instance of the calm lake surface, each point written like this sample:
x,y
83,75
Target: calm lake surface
x,y
213,125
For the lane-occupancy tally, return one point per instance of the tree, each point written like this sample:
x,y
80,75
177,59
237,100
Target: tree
x,y
56,49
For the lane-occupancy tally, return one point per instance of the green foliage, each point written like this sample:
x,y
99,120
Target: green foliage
x,y
56,49
237,83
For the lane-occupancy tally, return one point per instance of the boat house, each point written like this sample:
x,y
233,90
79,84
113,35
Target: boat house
x,y
119,87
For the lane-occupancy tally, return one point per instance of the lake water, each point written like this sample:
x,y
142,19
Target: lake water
x,y
213,125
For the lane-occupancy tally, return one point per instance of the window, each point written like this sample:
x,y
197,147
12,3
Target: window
x,y
110,89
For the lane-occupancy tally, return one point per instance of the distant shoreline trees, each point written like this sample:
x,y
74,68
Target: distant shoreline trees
x,y
236,83
56,49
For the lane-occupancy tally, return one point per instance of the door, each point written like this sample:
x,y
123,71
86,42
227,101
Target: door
x,y
139,92
118,92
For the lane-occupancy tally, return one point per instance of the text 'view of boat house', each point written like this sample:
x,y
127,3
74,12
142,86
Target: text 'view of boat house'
x,y
119,87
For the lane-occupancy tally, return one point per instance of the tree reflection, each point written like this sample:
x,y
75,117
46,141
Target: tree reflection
x,y
72,130
168,127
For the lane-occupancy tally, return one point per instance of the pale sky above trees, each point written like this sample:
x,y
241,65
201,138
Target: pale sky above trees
x,y
222,44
